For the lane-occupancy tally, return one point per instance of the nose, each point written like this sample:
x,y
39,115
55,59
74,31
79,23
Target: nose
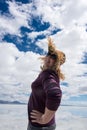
x,y
48,58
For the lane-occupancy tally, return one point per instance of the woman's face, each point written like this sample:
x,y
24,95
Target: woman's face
x,y
49,62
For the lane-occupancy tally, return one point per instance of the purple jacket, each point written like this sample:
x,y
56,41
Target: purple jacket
x,y
46,92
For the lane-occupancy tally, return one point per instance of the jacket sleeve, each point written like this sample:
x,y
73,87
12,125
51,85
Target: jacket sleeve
x,y
53,93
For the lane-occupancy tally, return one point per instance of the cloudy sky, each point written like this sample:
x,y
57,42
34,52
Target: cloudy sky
x,y
24,28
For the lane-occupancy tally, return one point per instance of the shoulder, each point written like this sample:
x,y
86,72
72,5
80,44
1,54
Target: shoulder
x,y
49,74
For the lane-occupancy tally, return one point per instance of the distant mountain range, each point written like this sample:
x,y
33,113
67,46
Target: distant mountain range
x,y
22,103
10,102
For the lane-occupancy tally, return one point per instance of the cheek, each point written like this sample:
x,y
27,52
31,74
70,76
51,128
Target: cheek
x,y
52,61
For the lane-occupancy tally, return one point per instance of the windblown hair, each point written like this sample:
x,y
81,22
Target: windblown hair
x,y
56,68
59,61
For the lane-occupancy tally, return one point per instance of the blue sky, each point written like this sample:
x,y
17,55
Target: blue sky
x,y
24,28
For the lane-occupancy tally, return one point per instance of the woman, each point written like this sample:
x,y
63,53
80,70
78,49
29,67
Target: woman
x,y
46,93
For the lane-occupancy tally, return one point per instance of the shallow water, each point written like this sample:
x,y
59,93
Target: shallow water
x,y
14,117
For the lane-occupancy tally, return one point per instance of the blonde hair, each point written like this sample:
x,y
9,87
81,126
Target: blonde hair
x,y
59,61
56,68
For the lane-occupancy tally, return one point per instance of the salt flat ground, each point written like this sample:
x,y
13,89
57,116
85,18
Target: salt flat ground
x,y
14,117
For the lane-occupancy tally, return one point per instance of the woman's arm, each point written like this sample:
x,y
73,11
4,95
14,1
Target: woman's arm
x,y
41,118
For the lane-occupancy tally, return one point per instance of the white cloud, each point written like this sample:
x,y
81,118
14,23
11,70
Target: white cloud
x,y
17,71
72,40
70,118
61,13
19,16
67,118
71,16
